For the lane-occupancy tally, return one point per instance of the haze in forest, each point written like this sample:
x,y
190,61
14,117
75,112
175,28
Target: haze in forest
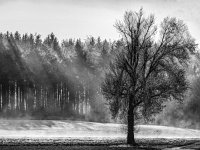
x,y
53,55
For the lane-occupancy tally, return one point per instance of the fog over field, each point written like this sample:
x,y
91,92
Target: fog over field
x,y
99,73
80,129
57,134
58,129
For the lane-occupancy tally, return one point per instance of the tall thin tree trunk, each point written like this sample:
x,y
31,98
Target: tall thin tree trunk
x,y
130,131
15,101
1,96
9,102
35,97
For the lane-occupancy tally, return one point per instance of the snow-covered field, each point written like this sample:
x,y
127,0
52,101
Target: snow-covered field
x,y
58,129
153,131
81,129
52,132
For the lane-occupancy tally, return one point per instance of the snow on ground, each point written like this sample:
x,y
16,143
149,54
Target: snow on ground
x,y
154,131
57,129
81,129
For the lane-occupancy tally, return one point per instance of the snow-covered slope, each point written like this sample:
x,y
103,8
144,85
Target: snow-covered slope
x,y
70,129
154,131
52,128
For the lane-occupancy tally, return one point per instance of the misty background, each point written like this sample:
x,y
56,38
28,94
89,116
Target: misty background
x,y
53,66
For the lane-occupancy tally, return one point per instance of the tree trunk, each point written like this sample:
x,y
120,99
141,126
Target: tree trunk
x,y
130,131
1,97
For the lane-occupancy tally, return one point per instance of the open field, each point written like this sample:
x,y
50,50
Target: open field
x,y
50,134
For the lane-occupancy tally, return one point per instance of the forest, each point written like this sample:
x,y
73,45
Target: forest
x,y
52,79
48,79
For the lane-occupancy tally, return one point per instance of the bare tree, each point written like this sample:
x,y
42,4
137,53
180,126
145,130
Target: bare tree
x,y
149,69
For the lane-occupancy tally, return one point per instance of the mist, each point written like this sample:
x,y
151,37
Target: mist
x,y
184,114
52,80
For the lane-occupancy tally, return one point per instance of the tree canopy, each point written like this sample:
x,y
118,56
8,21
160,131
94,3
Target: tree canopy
x,y
148,68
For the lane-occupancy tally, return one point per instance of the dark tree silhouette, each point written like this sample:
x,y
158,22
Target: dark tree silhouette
x,y
147,71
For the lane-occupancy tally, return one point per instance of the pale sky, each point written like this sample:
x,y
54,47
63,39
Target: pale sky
x,y
82,18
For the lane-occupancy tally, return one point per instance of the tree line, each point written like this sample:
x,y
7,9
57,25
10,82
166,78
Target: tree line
x,y
45,78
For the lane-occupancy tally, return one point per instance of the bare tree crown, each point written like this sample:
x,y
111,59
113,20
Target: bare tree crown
x,y
148,69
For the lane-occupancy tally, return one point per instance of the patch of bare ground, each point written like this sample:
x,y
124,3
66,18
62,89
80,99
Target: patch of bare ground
x,y
97,144
66,148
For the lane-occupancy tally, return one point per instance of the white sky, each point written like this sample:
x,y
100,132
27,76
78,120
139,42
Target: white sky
x,y
82,18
